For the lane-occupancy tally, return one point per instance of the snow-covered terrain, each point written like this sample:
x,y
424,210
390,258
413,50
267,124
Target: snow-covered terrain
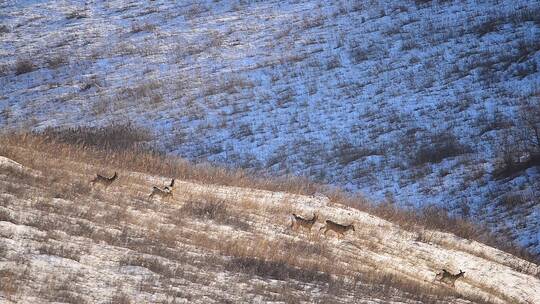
x,y
64,241
345,92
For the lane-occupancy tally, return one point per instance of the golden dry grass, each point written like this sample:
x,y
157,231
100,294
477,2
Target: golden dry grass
x,y
146,161
230,234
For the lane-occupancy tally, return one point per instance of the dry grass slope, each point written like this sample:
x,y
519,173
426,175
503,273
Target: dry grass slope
x,y
219,240
122,146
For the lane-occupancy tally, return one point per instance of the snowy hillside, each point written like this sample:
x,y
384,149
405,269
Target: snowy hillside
x,y
65,241
406,101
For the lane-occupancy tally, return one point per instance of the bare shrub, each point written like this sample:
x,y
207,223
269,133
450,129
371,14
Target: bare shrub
x,y
9,283
4,29
244,130
387,284
409,44
436,218
137,27
213,209
216,39
61,251
430,217
45,223
279,259
142,90
5,69
488,26
529,124
346,152
278,270
423,3
439,147
391,30
518,147
313,21
497,121
227,84
333,63
525,69
196,10
23,66
67,296
61,288
5,216
513,200
204,209
283,33
154,264
120,298
56,61
425,236
3,251
112,137
19,176
359,54
68,191
525,15
76,15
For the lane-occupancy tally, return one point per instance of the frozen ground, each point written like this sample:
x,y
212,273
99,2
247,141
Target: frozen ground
x,y
345,92
62,241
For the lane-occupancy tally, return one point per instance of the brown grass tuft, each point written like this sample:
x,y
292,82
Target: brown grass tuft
x,y
23,66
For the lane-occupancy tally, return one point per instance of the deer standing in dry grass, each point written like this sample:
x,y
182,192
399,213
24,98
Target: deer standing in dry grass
x,y
299,221
337,228
105,181
448,278
163,193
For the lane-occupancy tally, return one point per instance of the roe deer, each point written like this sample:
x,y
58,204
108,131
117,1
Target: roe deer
x,y
163,193
337,228
105,181
299,221
449,278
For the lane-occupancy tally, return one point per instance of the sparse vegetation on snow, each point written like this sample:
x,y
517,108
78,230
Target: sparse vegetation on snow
x,y
416,122
413,99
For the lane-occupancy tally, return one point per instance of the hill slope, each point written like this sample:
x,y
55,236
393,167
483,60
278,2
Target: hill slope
x,y
64,241
405,101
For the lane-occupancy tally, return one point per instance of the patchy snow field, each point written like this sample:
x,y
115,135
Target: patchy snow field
x,y
345,92
63,241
